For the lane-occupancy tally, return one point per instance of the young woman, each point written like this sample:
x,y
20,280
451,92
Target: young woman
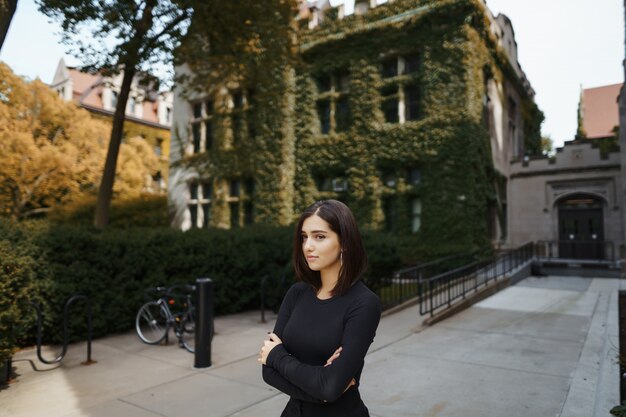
x,y
326,322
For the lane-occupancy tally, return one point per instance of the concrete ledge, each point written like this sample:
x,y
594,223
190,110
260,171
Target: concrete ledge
x,y
468,301
408,303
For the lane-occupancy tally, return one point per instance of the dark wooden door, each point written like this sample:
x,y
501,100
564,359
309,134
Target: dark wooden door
x,y
581,228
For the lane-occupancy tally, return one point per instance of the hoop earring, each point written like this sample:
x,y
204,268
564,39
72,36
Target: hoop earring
x,y
341,258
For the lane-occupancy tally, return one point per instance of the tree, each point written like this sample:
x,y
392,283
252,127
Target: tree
x,y
580,129
7,10
52,150
112,36
547,145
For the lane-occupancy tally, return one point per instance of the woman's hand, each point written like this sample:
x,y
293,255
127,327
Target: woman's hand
x,y
267,347
333,357
352,382
330,362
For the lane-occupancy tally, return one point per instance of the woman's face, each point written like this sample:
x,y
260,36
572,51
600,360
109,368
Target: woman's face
x,y
320,245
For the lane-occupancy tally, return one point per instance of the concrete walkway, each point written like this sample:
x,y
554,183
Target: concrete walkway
x,y
545,347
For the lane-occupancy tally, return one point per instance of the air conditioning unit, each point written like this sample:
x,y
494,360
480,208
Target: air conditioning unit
x,y
340,185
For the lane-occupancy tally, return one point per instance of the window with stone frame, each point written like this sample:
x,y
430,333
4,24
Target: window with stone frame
x,y
517,146
391,213
333,104
234,201
199,204
241,201
400,92
416,215
241,114
202,119
248,200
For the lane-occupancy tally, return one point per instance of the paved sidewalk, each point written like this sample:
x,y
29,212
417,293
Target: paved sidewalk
x,y
545,347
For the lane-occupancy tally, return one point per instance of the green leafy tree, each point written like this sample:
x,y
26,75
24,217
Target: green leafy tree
x,y
547,145
119,35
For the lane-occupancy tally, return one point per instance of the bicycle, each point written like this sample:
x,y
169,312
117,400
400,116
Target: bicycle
x,y
155,318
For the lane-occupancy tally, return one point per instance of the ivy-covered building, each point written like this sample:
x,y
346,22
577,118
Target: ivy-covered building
x,y
409,111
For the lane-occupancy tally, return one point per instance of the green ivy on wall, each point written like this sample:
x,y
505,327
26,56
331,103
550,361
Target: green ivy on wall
x,y
292,161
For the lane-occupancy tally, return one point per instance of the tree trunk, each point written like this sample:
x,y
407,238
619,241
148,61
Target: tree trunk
x,y
105,192
6,14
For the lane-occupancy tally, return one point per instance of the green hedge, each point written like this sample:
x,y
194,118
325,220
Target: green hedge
x,y
48,263
145,210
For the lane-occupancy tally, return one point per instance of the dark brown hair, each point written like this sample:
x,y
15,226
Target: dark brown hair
x,y
341,221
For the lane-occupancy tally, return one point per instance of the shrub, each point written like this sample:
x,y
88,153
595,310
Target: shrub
x,y
145,210
50,262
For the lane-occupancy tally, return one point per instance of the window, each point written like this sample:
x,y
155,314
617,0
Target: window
x,y
516,146
400,95
411,102
411,64
238,100
234,188
248,212
197,110
249,186
486,99
131,105
389,209
200,203
113,99
158,148
390,67
234,215
168,115
193,190
242,123
342,115
196,137
340,185
390,104
390,180
208,135
158,182
323,112
414,176
193,211
333,104
201,126
416,215
329,183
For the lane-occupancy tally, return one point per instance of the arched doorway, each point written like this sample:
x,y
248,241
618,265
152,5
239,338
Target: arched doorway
x,y
581,227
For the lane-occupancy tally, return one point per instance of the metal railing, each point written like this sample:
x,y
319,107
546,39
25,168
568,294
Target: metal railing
x,y
443,289
584,250
403,285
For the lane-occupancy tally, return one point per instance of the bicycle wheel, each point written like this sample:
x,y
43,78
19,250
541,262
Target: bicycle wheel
x,y
152,323
188,332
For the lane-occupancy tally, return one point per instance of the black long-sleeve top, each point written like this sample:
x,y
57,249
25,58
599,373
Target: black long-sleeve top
x,y
311,330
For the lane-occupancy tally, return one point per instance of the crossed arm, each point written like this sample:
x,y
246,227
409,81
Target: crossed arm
x,y
321,383
273,378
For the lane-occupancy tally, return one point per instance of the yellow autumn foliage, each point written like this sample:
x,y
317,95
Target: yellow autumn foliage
x,y
53,152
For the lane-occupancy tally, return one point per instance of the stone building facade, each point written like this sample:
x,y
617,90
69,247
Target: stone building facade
x,y
573,200
409,111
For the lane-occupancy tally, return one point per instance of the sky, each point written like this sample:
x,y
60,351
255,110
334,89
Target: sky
x,y
563,45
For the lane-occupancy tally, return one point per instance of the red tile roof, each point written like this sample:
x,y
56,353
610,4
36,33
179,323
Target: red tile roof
x,y
600,110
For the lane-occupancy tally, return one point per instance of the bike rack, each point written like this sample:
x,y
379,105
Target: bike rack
x,y
60,357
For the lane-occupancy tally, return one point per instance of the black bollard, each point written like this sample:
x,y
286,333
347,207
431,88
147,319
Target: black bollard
x,y
204,323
